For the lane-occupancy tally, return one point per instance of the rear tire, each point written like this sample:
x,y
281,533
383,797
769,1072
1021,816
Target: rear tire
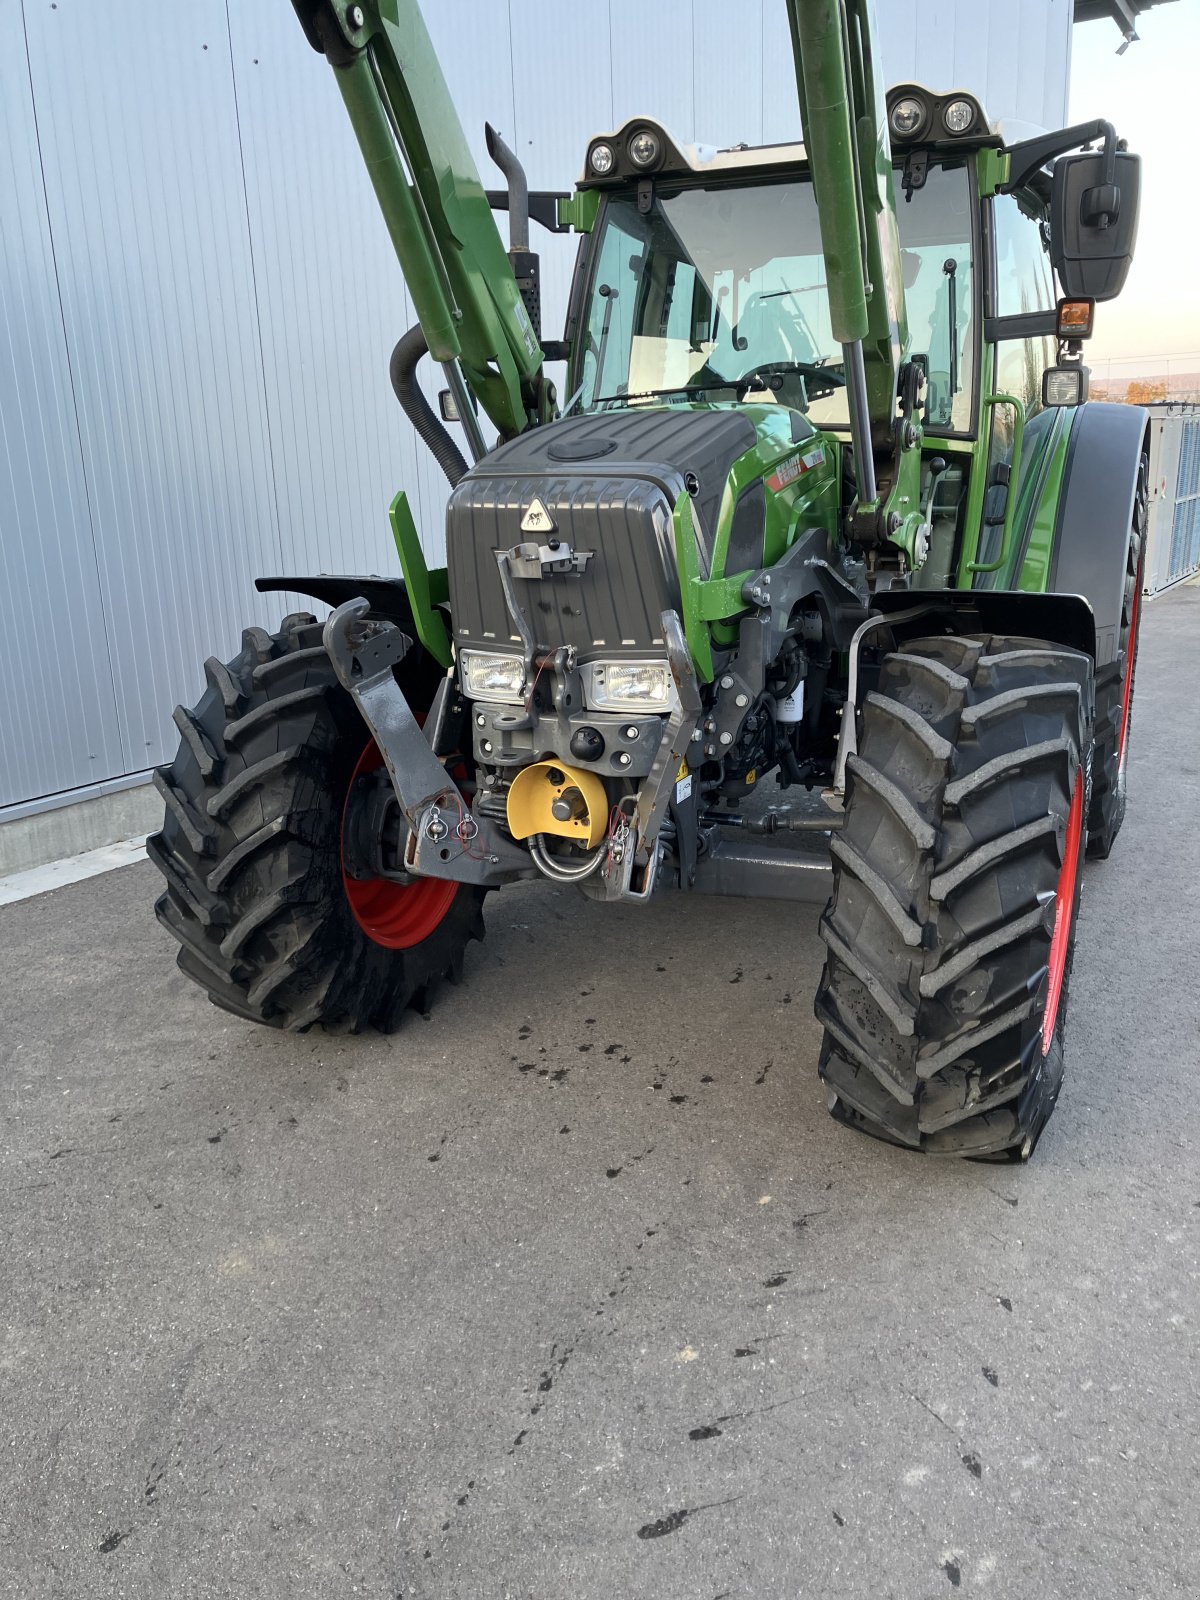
x,y
956,886
251,848
1114,691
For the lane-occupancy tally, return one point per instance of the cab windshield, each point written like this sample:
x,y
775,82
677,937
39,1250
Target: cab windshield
x,y
717,294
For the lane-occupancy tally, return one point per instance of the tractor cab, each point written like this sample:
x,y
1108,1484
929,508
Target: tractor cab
x,y
704,282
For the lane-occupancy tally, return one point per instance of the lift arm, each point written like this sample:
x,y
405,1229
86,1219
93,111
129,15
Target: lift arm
x,y
845,135
437,212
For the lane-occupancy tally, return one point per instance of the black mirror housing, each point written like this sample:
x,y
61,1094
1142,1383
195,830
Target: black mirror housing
x,y
1093,223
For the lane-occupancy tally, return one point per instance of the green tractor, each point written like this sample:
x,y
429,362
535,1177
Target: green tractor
x,y
824,509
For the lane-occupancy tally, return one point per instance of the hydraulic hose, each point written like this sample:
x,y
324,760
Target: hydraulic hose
x,y
402,369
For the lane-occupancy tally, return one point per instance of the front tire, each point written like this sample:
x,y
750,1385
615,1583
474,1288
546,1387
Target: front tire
x,y
956,887
251,850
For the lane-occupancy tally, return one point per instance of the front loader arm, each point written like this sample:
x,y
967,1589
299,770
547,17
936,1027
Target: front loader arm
x,y
845,135
453,259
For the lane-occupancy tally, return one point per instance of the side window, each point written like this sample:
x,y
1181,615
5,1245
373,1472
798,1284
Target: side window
x,y
1024,284
934,224
605,365
1024,281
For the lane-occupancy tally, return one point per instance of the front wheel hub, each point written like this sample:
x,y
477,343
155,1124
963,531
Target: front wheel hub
x,y
391,907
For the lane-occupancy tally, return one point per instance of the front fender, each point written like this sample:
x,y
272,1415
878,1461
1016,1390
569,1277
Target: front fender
x,y
1065,619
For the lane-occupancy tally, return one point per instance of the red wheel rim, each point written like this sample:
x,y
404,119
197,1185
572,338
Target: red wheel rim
x,y
394,915
1064,908
1130,653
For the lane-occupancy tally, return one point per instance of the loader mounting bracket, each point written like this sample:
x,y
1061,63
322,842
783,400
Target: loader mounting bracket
x,y
446,839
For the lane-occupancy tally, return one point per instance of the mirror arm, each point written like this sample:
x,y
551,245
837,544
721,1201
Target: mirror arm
x,y
1031,155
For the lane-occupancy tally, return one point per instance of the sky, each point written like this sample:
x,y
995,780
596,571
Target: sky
x,y
1151,94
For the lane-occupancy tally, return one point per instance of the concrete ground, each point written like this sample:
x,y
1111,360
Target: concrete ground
x,y
575,1292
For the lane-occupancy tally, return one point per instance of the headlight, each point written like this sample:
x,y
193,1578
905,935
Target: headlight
x,y
601,159
643,149
958,116
907,116
628,685
491,677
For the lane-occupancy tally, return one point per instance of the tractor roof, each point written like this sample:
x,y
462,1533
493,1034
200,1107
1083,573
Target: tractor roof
x,y
643,148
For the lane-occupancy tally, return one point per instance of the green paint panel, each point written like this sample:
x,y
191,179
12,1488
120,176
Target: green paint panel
x,y
426,590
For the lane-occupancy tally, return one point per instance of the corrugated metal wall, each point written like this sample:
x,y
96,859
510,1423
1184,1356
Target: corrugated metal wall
x,y
1173,547
198,299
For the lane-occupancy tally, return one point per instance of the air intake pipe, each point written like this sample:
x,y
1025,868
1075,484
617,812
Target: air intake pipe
x,y
402,369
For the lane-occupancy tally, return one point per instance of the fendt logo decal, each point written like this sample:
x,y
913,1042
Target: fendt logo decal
x,y
537,519
791,469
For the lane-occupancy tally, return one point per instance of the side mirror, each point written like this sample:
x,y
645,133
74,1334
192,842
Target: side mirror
x,y
1093,223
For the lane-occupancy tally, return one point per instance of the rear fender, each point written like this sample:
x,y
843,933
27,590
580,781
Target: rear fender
x,y
1095,514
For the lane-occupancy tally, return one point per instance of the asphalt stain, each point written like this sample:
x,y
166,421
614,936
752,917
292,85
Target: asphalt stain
x,y
524,1031
744,1350
671,1523
67,1150
674,1520
111,1540
518,1441
708,1078
1004,1301
564,1129
737,977
973,1464
953,1571
992,1376
153,1478
678,1099
839,1519
214,1138
583,1048
613,1172
777,1282
762,1077
611,1049
710,1431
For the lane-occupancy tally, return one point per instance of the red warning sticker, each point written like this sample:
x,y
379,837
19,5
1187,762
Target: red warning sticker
x,y
795,467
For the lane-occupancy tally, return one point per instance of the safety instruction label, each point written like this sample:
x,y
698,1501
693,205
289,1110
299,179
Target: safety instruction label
x,y
795,467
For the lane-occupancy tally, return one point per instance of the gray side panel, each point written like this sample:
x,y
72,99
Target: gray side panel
x,y
58,725
139,139
1096,513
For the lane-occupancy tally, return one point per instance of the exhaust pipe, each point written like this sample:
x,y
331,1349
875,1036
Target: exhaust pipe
x,y
526,263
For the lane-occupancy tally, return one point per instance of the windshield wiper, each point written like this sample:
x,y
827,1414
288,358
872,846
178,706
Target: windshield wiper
x,y
651,394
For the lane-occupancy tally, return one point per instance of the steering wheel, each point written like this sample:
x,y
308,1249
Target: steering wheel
x,y
774,372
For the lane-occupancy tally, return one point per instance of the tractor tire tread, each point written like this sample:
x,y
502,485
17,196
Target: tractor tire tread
x,y
938,936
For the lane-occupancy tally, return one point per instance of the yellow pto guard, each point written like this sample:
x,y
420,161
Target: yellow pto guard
x,y
550,798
